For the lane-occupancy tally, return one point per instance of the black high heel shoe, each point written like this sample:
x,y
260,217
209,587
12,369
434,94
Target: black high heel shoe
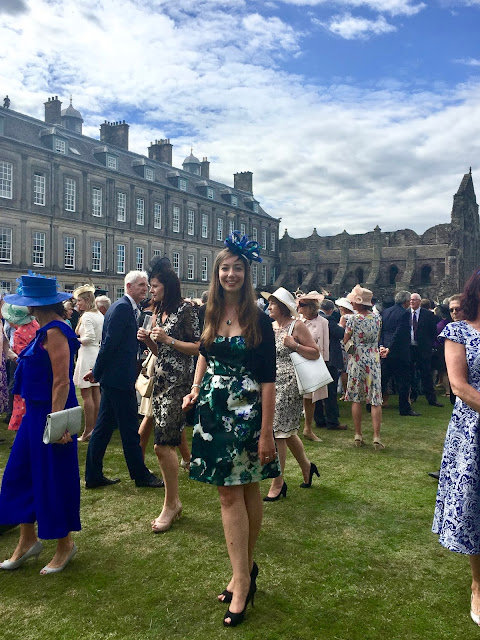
x,y
228,595
313,470
283,492
237,618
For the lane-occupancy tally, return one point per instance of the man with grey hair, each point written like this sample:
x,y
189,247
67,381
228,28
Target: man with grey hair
x,y
103,304
116,370
395,351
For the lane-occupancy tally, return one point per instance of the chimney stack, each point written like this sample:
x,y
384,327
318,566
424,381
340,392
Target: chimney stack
x,y
115,133
205,169
243,181
53,111
161,150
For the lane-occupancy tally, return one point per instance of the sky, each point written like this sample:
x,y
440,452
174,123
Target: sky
x,y
349,113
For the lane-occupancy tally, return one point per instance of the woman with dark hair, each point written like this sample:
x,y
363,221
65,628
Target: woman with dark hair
x,y
234,390
41,481
364,373
438,354
457,509
174,339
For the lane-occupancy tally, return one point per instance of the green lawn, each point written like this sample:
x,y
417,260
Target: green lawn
x,y
351,558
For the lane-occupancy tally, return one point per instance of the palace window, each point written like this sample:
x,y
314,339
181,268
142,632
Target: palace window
x,y
204,225
6,180
120,258
191,222
140,211
176,219
38,249
121,206
5,245
139,252
96,202
176,262
157,215
190,266
69,252
96,255
220,229
39,189
204,268
70,194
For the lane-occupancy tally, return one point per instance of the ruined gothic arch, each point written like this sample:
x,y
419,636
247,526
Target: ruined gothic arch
x,y
392,274
426,274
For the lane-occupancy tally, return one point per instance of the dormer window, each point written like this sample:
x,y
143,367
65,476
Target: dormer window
x,y
182,184
149,174
60,146
210,193
112,162
255,207
234,201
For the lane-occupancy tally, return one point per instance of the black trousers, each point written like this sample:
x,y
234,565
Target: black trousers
x,y
421,367
399,370
326,411
118,408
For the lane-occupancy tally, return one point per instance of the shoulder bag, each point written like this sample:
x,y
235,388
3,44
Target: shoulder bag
x,y
144,383
349,345
57,423
310,374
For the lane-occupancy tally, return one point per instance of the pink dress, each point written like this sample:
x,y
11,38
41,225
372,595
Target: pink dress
x,y
21,338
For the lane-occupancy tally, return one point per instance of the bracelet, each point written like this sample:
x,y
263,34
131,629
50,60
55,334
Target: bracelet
x,y
296,347
195,385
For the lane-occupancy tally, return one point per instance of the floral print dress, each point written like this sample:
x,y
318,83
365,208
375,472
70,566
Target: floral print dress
x,y
457,508
364,373
228,419
173,375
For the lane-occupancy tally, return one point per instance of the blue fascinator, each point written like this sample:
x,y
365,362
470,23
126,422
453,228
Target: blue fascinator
x,y
242,246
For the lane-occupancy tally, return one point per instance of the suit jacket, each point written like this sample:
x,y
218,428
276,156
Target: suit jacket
x,y
426,331
395,332
335,334
116,361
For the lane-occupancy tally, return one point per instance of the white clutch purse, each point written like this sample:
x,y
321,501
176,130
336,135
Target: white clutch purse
x,y
57,423
311,374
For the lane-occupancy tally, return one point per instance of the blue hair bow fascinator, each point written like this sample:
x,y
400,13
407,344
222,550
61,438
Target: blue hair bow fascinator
x,y
242,246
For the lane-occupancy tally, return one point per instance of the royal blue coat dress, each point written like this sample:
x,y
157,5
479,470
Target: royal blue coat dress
x,y
41,482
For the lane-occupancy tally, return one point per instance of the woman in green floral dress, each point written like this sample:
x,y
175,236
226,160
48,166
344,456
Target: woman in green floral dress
x,y
234,390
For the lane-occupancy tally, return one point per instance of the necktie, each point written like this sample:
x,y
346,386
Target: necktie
x,y
414,324
137,313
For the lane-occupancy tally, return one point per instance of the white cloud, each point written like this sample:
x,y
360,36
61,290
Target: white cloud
x,y
470,62
351,28
393,7
333,156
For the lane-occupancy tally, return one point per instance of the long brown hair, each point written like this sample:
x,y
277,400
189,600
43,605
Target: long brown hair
x,y
247,308
470,298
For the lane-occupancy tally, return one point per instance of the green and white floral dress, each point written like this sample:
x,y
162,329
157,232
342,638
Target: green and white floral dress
x,y
228,419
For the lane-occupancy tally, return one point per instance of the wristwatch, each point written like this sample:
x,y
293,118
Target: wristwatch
x,y
172,342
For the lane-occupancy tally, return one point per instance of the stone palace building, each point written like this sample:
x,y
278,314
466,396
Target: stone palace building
x,y
435,264
89,210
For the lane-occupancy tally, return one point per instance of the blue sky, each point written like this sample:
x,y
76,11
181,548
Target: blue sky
x,y
350,113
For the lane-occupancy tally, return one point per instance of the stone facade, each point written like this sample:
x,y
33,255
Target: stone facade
x,y
89,210
435,264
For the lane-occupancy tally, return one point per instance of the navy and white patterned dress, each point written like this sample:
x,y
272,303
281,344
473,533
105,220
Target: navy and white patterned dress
x,y
457,509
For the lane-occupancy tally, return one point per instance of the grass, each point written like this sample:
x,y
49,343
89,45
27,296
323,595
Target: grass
x,y
352,558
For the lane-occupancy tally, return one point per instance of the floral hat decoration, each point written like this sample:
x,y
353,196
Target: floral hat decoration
x,y
36,290
242,246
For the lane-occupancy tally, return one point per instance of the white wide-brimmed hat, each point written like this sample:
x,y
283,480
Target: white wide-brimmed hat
x,y
284,296
343,302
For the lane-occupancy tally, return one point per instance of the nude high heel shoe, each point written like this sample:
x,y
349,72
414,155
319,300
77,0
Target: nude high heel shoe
x,y
34,551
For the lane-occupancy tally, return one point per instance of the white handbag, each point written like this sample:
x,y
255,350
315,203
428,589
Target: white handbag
x,y
311,374
57,423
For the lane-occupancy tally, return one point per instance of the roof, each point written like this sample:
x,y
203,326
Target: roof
x,y
21,128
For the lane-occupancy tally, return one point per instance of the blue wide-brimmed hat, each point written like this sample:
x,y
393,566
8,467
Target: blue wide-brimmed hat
x,y
35,290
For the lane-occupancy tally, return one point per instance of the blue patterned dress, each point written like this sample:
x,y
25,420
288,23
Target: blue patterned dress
x,y
457,509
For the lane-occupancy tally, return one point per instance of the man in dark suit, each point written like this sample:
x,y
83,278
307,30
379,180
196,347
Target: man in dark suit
x,y
423,331
326,413
395,351
116,370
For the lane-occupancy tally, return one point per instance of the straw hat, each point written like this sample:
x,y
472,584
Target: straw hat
x,y
15,314
85,288
343,302
359,295
284,296
311,295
